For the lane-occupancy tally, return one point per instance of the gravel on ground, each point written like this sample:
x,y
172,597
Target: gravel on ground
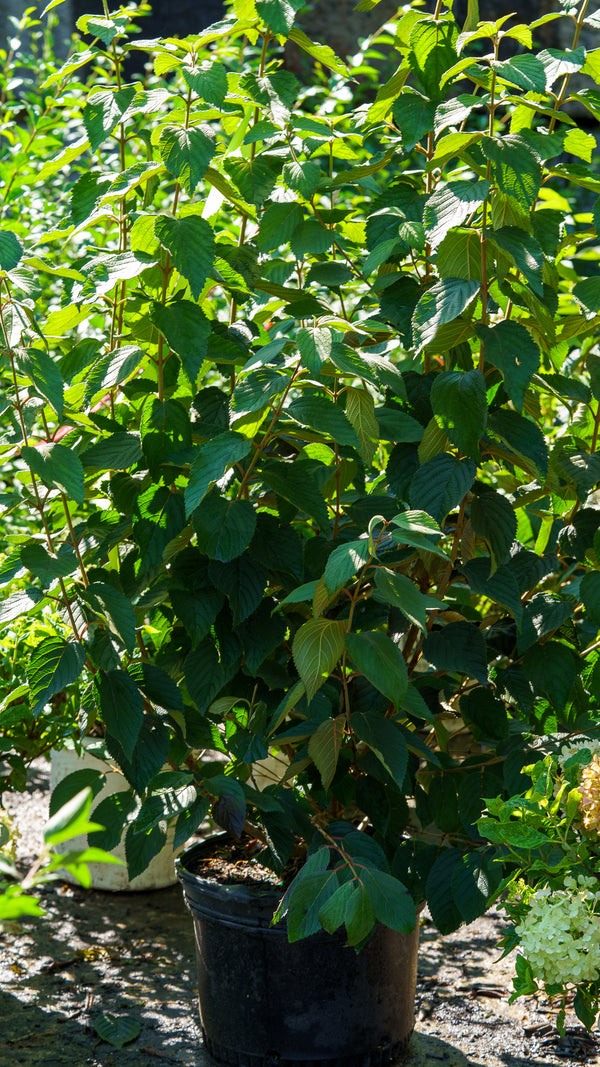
x,y
132,955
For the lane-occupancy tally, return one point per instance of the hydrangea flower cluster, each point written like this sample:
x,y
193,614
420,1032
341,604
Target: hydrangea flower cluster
x,y
560,935
589,786
577,746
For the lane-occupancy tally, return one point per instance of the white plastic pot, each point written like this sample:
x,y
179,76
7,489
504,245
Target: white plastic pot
x,y
159,873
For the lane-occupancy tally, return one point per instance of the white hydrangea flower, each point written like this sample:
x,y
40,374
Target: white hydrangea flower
x,y
560,935
576,746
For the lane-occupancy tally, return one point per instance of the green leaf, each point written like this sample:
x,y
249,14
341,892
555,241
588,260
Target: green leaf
x,y
360,917
438,891
122,708
524,438
501,586
11,250
380,660
257,390
510,347
295,483
71,819
526,72
439,485
52,666
459,256
186,153
324,747
67,788
141,848
360,412
35,557
333,911
552,669
440,304
418,529
306,896
224,527
255,178
45,375
494,519
243,581
56,465
112,604
110,370
203,674
324,416
103,110
208,80
486,712
277,225
413,114
590,594
385,740
524,251
457,647
472,885
190,241
344,562
450,205
543,614
303,178
186,329
318,645
321,52
211,463
17,604
391,902
587,292
116,452
459,404
432,53
279,15
516,167
399,591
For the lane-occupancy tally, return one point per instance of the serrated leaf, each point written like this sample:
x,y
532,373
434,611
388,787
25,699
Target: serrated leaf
x,y
293,483
486,711
413,114
318,645
243,581
459,404
117,691
510,347
302,177
440,304
56,465
111,603
360,412
438,891
457,647
116,452
224,527
524,251
450,205
439,485
344,562
403,594
186,329
315,344
103,110
211,463
11,250
208,80
321,52
494,519
391,902
277,225
279,15
552,669
385,740
110,370
186,153
516,167
46,567
380,660
45,375
191,243
590,594
51,667
324,747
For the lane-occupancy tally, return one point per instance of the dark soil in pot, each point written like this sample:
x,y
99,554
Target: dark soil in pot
x,y
264,1001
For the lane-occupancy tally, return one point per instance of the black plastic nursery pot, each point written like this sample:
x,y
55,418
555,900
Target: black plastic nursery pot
x,y
267,1003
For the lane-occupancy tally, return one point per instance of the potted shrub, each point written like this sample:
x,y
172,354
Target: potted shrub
x,y
310,422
